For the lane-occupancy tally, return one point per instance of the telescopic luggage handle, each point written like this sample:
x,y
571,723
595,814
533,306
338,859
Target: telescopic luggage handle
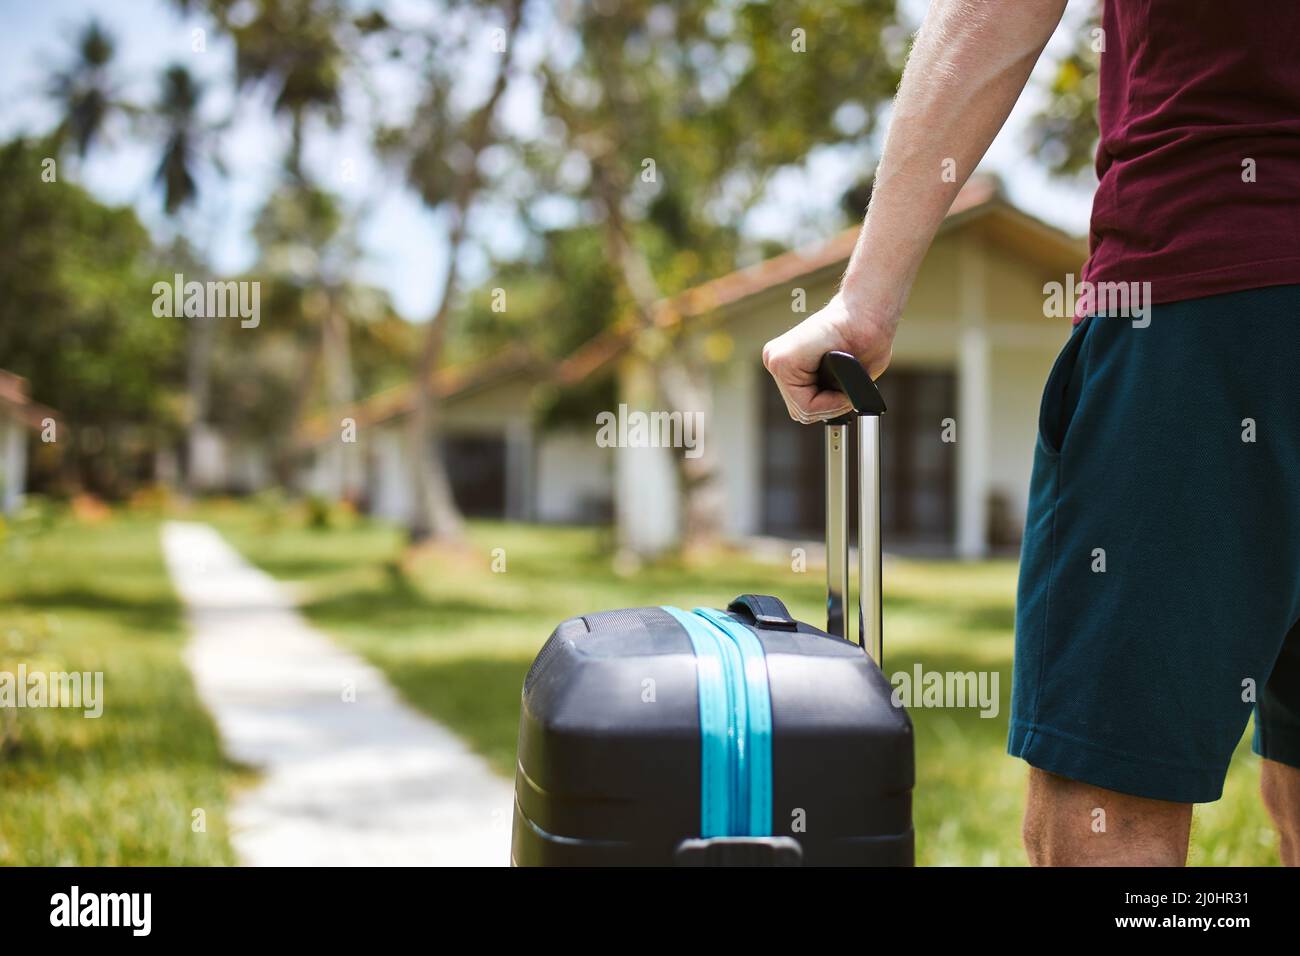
x,y
841,372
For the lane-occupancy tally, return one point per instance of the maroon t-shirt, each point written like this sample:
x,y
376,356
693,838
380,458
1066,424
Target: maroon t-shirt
x,y
1199,160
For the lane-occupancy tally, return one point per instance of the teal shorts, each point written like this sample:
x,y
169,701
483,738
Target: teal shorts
x,y
1160,569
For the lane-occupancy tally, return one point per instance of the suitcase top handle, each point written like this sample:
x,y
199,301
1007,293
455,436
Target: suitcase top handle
x,y
765,611
841,372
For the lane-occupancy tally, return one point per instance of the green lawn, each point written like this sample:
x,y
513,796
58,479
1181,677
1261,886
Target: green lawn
x,y
121,788
456,638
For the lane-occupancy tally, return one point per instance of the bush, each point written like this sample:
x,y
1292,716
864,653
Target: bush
x,y
151,500
320,515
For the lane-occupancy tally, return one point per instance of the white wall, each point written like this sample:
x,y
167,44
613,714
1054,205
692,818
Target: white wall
x,y
1018,380
974,409
574,479
1000,305
250,467
490,407
380,462
13,462
557,476
735,431
1024,344
220,462
389,472
207,459
647,499
648,503
927,337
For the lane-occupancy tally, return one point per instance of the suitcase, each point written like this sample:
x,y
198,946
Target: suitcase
x,y
655,736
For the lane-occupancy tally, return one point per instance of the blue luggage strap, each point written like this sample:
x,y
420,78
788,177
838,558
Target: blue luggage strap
x,y
715,724
735,725
758,750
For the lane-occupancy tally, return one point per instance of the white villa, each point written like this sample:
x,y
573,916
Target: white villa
x,y
19,415
500,464
970,360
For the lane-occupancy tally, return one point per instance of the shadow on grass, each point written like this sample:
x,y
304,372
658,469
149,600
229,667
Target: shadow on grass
x,y
454,690
975,731
149,613
999,618
380,609
397,600
304,568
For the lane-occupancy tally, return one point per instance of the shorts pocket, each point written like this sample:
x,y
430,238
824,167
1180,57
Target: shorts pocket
x,y
1061,393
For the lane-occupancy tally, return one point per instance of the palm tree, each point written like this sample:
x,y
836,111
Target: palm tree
x,y
85,90
177,107
308,241
86,93
185,144
291,47
295,51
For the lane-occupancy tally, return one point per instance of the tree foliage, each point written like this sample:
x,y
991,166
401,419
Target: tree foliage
x,y
76,315
85,89
1063,135
719,98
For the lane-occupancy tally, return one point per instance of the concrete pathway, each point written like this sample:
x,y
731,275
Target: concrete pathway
x,y
365,782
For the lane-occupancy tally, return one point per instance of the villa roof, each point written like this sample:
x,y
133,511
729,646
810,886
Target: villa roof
x,y
14,396
980,198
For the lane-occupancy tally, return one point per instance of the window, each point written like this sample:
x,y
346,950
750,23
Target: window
x,y
476,468
918,467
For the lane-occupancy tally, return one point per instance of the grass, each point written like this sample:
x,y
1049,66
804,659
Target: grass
x,y
120,789
456,637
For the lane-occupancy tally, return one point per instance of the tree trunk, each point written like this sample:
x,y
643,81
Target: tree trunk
x,y
703,500
198,379
294,158
435,515
680,386
337,357
286,472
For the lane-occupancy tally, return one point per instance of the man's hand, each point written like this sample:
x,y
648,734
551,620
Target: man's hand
x,y
793,358
969,63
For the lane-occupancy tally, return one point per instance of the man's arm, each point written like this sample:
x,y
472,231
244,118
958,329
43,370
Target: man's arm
x,y
970,62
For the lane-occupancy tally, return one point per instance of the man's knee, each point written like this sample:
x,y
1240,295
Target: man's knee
x,y
1068,823
1279,785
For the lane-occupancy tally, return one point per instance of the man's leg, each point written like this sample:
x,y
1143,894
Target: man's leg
x,y
1068,823
1279,785
1277,741
1158,576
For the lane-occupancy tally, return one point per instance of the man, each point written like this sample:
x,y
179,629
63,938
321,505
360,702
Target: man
x,y
1160,569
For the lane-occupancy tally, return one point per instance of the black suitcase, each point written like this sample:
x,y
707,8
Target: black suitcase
x,y
653,736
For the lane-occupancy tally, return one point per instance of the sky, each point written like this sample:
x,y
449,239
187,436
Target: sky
x,y
402,250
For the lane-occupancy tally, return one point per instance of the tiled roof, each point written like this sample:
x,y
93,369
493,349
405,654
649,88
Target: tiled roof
x,y
13,395
399,400
979,192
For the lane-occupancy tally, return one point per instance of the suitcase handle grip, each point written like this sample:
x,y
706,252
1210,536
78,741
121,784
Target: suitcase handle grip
x,y
841,372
